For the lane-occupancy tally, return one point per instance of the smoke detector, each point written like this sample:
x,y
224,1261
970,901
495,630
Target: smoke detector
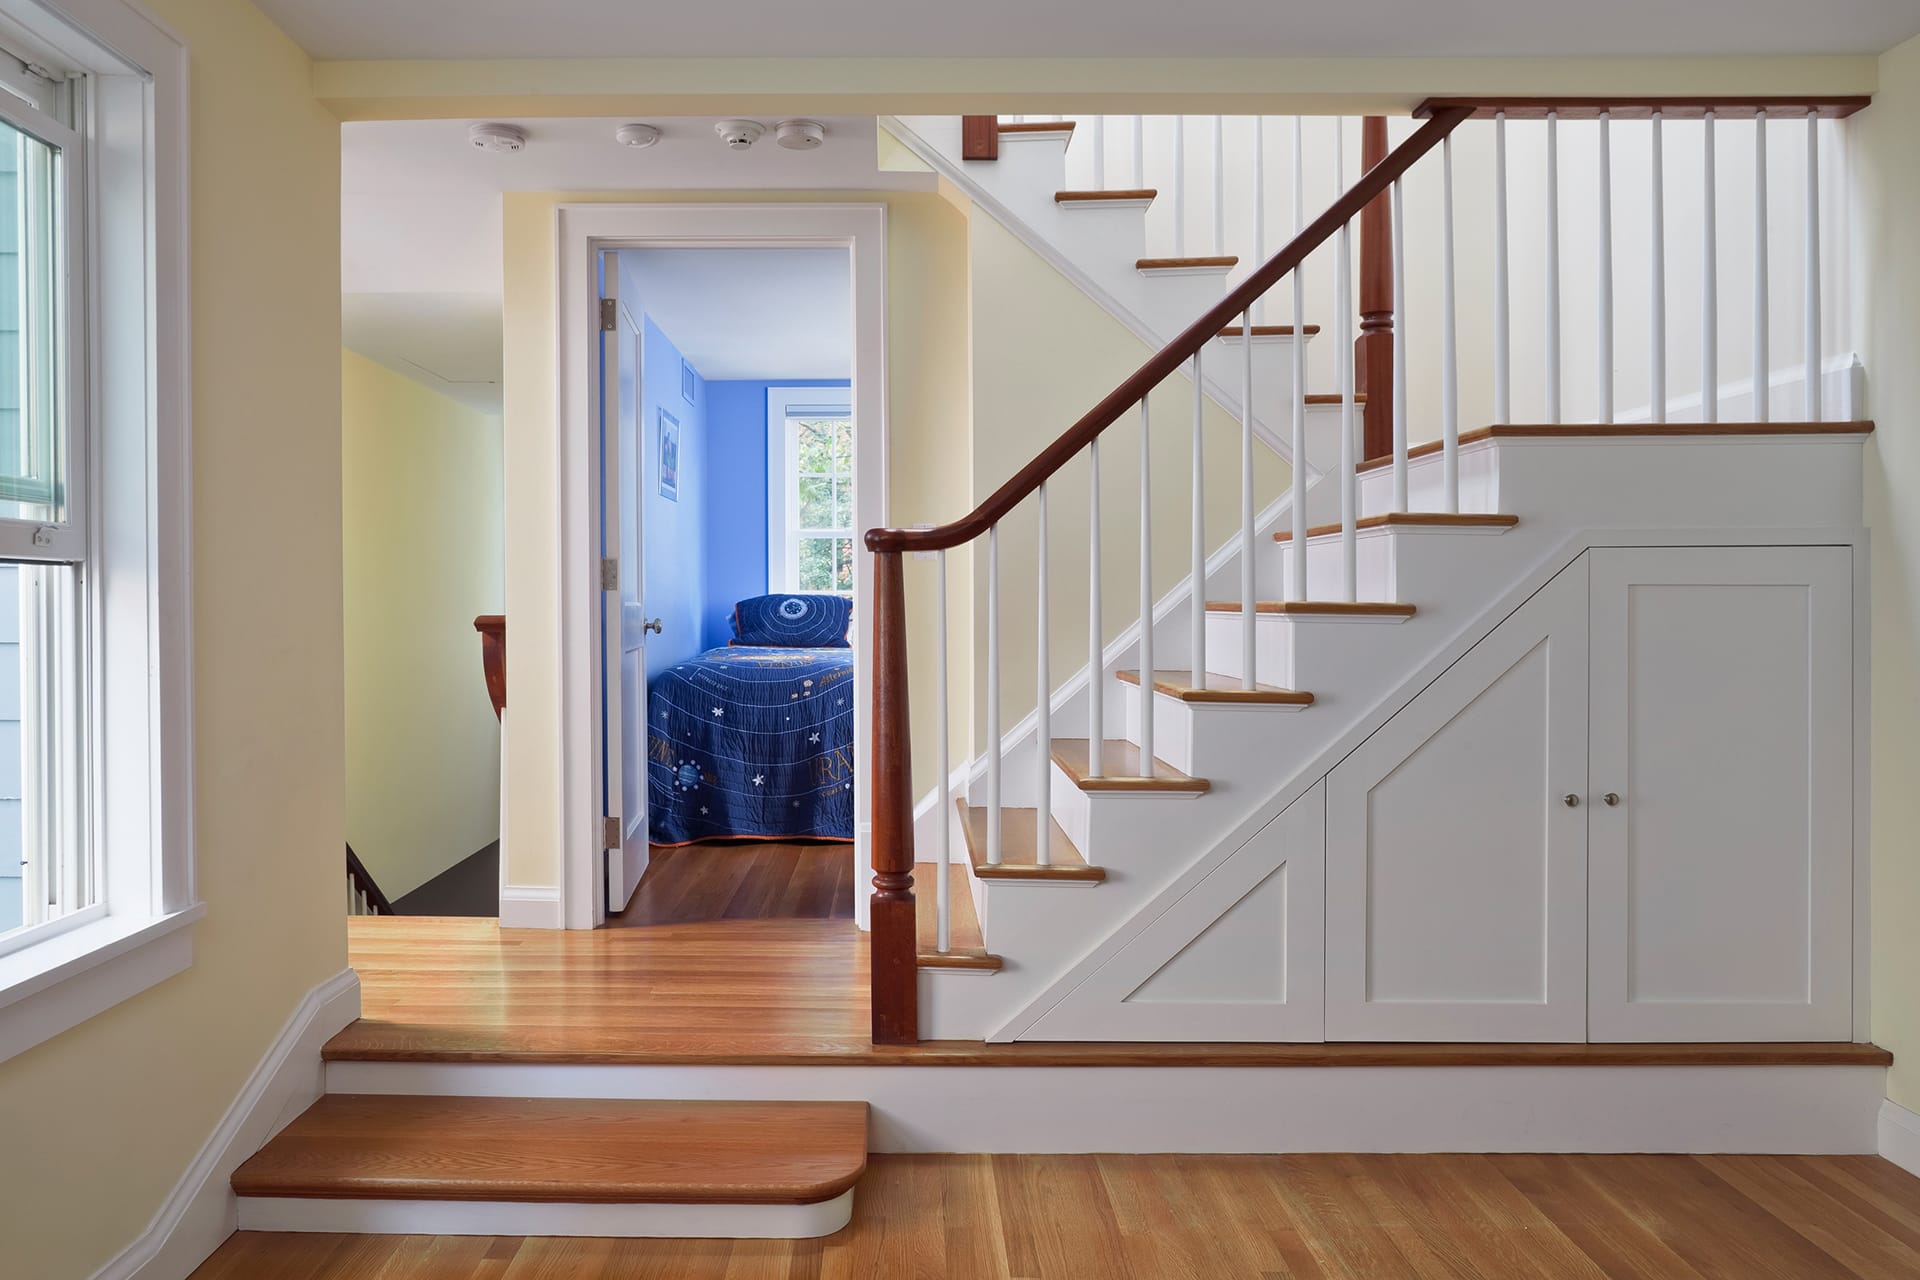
x,y
739,134
501,139
800,135
637,135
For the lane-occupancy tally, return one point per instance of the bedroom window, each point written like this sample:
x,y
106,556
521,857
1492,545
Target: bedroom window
x,y
810,534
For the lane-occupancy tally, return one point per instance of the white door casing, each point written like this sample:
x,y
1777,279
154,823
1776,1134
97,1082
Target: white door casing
x,y
1239,957
1722,719
1456,869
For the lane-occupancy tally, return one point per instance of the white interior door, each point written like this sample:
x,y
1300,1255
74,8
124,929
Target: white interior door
x,y
1722,776
1456,867
623,609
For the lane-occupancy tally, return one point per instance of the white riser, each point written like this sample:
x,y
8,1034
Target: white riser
x,y
1101,231
1479,484
1183,298
1273,646
523,1218
1394,563
1031,164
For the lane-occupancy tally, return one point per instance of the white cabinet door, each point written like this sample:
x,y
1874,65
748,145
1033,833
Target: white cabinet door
x,y
1722,699
1456,870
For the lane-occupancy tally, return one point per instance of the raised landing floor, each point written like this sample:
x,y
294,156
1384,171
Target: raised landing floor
x,y
1233,1217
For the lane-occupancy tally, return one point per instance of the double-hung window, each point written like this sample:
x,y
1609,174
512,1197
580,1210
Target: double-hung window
x,y
810,535
95,624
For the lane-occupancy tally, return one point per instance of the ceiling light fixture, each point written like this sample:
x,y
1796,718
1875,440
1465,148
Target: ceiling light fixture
x,y
500,139
800,135
637,135
739,134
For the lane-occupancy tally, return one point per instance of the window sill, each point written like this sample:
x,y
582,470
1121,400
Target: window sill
x,y
57,984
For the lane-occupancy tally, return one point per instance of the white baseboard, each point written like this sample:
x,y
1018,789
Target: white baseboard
x,y
526,906
199,1213
527,1218
1766,1110
1900,1136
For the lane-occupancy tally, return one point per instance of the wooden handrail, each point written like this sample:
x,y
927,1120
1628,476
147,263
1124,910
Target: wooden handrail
x,y
1165,361
493,657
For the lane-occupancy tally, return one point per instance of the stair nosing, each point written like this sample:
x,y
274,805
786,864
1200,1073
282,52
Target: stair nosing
x,y
1261,695
1147,194
1177,784
1269,331
1318,608
1412,520
1225,262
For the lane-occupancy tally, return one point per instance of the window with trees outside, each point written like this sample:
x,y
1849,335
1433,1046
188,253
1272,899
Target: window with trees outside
x,y
810,523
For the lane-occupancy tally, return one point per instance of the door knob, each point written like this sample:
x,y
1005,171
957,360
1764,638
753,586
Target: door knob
x,y
1573,801
1612,797
653,625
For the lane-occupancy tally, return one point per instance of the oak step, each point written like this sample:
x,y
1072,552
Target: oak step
x,y
966,948
1413,520
1216,688
1138,195
1120,769
1632,430
1332,397
1215,263
1269,331
1018,835
562,1151
1038,126
1318,608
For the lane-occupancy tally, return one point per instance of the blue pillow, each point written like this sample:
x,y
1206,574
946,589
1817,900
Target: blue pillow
x,y
793,622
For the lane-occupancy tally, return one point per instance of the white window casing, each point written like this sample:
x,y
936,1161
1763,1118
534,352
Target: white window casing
x,y
785,406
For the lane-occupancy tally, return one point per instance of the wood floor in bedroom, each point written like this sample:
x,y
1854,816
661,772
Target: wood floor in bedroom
x,y
1237,1218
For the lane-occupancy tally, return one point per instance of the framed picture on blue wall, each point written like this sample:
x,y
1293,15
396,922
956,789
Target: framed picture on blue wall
x,y
669,457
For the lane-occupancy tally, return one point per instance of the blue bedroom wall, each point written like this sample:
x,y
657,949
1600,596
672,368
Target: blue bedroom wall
x,y
736,499
675,529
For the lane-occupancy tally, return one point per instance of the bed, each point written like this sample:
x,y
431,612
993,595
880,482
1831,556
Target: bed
x,y
755,740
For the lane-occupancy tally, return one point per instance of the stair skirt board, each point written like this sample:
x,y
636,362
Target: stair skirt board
x,y
521,1218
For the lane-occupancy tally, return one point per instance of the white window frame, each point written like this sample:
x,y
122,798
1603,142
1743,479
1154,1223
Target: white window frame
x,y
784,404
128,517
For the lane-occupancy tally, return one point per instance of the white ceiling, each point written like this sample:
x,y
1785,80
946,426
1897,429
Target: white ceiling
x,y
420,215
748,313
1090,29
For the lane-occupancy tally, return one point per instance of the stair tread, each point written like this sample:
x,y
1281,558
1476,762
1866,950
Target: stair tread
x,y
1268,330
1214,687
966,948
1413,519
1332,397
562,1150
1095,197
1120,765
1038,126
1632,430
1330,608
1161,264
1017,838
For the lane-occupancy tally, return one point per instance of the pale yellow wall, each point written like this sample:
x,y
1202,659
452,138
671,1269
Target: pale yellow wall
x,y
100,1122
1886,140
421,490
1043,354
927,392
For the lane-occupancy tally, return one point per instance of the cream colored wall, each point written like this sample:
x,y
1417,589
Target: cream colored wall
x,y
100,1122
927,392
1043,354
1886,147
421,491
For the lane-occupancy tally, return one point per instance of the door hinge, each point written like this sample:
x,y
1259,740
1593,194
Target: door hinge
x,y
606,314
610,832
609,574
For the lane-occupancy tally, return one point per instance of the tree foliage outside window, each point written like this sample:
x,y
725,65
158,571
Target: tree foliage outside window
x,y
823,502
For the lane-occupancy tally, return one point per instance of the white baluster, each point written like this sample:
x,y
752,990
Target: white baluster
x,y
1813,265
1146,594
1043,707
1096,625
1399,350
1297,548
1260,200
1603,257
1449,342
1099,143
1139,152
943,887
1179,186
1551,331
1762,341
993,695
1219,188
1198,639
1343,352
1248,676
1502,295
1657,287
1709,283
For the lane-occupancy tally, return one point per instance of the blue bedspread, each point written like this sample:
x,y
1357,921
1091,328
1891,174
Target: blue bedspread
x,y
749,741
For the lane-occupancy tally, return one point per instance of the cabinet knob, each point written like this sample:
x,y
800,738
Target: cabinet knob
x,y
1612,797
1573,801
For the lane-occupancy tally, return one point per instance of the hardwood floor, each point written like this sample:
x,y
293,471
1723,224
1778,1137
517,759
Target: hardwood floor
x,y
744,880
1227,1217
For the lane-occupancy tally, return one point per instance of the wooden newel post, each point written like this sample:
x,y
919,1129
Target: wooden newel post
x,y
895,944
1373,349
979,137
